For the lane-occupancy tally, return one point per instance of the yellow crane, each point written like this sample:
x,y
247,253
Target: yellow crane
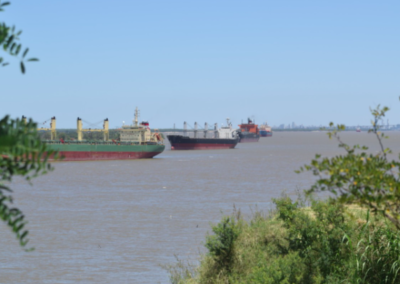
x,y
52,128
80,130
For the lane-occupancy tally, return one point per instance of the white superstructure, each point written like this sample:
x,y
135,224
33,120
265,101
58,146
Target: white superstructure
x,y
226,131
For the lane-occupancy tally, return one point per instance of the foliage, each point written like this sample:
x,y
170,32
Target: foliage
x,y
221,244
324,243
9,41
21,151
367,179
378,254
21,154
282,269
319,241
180,272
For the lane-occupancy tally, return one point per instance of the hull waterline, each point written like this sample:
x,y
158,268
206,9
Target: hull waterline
x,y
198,146
104,151
102,156
179,142
265,133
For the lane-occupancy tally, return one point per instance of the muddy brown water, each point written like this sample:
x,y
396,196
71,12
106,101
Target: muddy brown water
x,y
121,221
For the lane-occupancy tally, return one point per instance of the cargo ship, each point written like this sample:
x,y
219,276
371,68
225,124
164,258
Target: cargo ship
x,y
135,142
248,132
224,138
265,130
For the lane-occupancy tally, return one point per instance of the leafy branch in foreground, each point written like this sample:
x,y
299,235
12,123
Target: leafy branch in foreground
x,y
22,153
9,41
360,177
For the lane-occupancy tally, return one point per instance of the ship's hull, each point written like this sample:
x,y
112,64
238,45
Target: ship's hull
x,y
80,151
264,133
179,142
248,137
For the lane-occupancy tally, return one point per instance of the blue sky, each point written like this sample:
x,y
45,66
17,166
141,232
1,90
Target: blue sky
x,y
310,62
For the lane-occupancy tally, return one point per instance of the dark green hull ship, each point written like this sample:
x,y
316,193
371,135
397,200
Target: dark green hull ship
x,y
86,151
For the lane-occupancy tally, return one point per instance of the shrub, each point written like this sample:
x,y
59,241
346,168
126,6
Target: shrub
x,y
377,258
285,270
221,245
317,237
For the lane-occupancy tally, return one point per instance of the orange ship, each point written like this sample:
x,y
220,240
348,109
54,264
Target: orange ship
x,y
248,132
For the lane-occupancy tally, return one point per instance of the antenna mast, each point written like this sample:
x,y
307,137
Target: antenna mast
x,y
136,117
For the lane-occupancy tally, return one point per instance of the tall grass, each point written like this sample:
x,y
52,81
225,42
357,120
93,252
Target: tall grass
x,y
377,253
181,272
324,243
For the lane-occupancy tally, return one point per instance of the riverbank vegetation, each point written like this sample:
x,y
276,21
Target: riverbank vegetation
x,y
327,242
351,237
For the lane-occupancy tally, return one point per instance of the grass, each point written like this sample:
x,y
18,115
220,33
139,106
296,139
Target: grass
x,y
323,243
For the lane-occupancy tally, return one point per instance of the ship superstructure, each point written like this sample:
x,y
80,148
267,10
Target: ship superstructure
x,y
138,133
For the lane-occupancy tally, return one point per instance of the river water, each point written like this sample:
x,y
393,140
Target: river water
x,y
121,221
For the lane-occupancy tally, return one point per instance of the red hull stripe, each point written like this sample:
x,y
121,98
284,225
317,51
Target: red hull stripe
x,y
199,146
94,156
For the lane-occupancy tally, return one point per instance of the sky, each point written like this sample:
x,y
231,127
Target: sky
x,y
308,62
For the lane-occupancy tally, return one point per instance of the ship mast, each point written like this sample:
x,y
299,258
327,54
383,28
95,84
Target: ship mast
x,y
228,123
136,117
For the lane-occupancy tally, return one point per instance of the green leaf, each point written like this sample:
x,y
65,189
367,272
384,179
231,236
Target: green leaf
x,y
18,49
33,59
24,234
22,67
12,47
25,52
9,41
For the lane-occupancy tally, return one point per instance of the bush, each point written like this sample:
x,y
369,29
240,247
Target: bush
x,y
287,269
221,245
325,243
378,254
317,237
